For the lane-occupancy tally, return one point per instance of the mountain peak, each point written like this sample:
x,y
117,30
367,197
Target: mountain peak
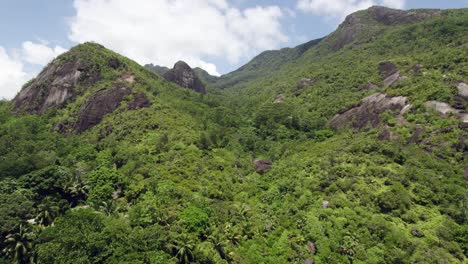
x,y
64,78
183,75
362,24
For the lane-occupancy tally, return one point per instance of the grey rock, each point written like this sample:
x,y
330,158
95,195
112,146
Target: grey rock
x,y
139,101
325,204
368,112
98,105
463,90
445,109
390,73
185,76
391,17
262,166
55,85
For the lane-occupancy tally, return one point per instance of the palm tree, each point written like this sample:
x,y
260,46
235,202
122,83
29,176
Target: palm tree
x,y
18,245
108,207
46,214
219,242
182,248
76,189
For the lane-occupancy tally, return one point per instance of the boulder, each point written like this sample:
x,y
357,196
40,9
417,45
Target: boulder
x,y
440,107
98,105
139,101
262,166
445,109
128,78
309,261
185,76
325,204
390,73
463,90
368,112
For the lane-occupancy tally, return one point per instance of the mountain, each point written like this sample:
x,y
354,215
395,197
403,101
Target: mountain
x,y
157,69
185,76
347,149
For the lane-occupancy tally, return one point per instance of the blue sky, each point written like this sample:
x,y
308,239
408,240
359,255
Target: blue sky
x,y
218,35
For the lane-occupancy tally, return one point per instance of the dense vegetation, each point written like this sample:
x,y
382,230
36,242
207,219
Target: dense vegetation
x,y
175,183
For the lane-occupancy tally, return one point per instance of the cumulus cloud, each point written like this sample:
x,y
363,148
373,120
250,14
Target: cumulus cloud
x,y
40,53
339,9
12,75
165,31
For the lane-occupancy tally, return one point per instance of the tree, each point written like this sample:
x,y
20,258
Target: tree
x,y
18,246
182,248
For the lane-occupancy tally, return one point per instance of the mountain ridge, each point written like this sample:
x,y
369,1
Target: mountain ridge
x,y
307,155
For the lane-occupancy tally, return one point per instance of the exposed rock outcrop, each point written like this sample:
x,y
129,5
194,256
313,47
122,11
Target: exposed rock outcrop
x,y
446,109
139,101
55,85
368,87
356,25
368,112
185,76
391,17
390,73
262,166
463,90
98,105
347,32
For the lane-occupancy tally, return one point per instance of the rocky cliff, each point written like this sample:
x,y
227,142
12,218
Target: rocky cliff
x,y
185,76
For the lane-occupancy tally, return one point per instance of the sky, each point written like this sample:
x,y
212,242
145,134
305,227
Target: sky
x,y
216,35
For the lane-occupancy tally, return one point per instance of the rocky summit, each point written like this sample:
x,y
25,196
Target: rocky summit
x,y
185,76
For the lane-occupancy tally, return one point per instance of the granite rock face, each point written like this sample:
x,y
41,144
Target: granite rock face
x,y
185,76
55,85
390,73
139,101
356,24
445,109
368,112
392,17
101,103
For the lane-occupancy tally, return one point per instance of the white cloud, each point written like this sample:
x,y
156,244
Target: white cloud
x,y
165,31
40,53
12,75
339,9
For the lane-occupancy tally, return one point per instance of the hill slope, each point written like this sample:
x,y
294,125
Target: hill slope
x,y
324,153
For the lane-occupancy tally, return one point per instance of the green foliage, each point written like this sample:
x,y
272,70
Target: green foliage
x,y
175,183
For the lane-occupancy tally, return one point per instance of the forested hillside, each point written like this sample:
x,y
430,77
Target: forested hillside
x,y
347,149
